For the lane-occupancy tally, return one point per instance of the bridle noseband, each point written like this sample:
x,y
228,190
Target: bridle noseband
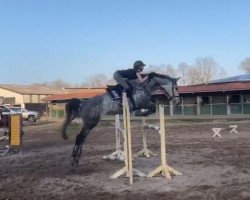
x,y
170,97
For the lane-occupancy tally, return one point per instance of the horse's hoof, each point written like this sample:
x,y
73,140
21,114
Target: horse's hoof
x,y
75,151
73,162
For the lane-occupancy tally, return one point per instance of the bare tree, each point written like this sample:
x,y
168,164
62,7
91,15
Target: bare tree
x,y
192,76
151,68
44,84
245,65
111,82
204,70
183,69
169,70
84,84
60,84
163,69
98,80
57,84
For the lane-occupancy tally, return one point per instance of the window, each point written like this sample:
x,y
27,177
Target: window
x,y
219,99
4,109
189,100
205,100
1,100
246,98
16,109
235,98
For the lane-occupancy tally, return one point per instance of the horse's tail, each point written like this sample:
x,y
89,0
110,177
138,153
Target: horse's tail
x,y
72,109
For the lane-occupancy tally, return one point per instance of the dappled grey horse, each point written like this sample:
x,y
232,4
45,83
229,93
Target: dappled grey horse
x,y
91,110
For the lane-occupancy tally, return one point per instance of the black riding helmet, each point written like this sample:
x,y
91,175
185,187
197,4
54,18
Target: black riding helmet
x,y
139,65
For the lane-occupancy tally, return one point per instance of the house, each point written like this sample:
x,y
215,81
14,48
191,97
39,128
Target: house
x,y
69,93
26,96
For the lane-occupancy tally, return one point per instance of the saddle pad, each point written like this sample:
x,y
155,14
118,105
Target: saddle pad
x,y
115,92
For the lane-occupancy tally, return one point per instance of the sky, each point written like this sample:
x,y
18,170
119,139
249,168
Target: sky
x,y
47,40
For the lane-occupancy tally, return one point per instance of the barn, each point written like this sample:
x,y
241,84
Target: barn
x,y
228,96
224,97
56,102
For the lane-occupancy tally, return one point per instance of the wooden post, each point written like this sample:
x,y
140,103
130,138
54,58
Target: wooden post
x,y
128,169
198,106
15,134
228,106
117,132
171,108
127,130
164,169
46,108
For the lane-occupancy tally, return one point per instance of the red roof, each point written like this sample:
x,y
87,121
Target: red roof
x,y
79,95
220,87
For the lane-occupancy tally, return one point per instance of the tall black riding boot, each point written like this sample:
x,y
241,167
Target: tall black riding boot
x,y
130,96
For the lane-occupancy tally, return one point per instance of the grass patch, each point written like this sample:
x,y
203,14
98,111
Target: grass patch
x,y
37,123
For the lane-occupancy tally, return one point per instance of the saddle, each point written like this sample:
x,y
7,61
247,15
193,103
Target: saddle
x,y
115,91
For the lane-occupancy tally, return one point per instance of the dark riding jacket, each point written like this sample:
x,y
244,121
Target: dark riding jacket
x,y
128,74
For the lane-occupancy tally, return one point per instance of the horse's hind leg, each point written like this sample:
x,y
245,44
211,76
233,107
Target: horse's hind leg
x,y
80,138
77,150
89,123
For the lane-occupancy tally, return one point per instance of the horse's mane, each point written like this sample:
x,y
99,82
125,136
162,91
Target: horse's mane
x,y
156,75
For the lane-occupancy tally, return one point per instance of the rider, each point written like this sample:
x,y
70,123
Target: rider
x,y
135,73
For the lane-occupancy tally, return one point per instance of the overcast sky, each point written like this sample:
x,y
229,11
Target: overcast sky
x,y
45,40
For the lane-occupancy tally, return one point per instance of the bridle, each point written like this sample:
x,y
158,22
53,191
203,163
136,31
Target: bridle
x,y
163,90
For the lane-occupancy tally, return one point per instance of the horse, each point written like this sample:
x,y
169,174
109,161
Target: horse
x,y
91,110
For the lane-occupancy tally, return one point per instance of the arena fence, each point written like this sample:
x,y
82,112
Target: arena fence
x,y
208,109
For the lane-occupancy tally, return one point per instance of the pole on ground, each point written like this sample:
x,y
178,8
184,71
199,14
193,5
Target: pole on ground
x,y
164,169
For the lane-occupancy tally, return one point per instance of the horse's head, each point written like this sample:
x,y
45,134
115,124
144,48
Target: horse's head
x,y
166,84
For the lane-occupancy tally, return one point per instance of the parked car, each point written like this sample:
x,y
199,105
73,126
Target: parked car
x,y
31,116
5,110
4,118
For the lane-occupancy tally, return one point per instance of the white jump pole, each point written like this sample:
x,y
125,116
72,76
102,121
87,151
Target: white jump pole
x,y
164,169
145,152
118,154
